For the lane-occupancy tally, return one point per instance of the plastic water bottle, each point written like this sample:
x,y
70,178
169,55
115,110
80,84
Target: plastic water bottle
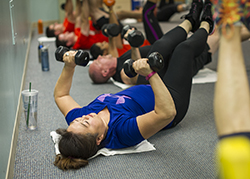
x,y
45,58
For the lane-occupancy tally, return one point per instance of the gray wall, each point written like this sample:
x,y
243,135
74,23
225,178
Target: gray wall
x,y
12,59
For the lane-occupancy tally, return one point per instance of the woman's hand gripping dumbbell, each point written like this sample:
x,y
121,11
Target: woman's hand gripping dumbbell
x,y
81,57
155,61
134,37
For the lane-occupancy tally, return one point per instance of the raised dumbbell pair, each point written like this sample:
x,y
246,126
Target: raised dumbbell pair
x,y
155,61
81,57
111,30
135,37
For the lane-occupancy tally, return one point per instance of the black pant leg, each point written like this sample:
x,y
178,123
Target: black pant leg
x,y
151,25
178,77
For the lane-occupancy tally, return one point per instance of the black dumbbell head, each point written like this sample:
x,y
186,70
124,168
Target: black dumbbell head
x,y
135,38
60,51
82,58
104,27
125,29
113,30
156,61
128,68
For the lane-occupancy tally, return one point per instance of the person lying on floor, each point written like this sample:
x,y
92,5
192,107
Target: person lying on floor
x,y
85,34
151,27
130,116
106,66
68,24
116,46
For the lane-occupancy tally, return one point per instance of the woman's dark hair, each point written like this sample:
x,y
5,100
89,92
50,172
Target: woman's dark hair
x,y
75,149
62,43
50,32
95,51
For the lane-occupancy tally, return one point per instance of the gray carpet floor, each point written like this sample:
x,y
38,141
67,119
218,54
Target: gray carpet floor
x,y
184,152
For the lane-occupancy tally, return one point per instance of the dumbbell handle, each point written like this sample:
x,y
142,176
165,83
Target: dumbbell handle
x,y
155,61
81,57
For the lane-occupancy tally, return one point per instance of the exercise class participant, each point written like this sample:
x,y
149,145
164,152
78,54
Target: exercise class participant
x,y
128,117
121,45
151,27
85,34
108,66
68,24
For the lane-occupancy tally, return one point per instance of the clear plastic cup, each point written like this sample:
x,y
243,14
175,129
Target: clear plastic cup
x,y
30,99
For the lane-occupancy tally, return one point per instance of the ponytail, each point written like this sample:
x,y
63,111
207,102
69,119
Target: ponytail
x,y
65,163
75,149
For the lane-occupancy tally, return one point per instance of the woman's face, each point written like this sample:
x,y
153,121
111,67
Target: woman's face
x,y
90,123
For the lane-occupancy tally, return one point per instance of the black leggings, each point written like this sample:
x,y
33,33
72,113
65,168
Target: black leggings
x,y
151,25
178,70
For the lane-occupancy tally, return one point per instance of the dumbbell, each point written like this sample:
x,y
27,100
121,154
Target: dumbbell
x,y
81,57
110,30
109,3
135,37
155,61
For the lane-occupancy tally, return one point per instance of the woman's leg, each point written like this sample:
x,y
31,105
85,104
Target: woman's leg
x,y
178,77
166,45
232,97
151,26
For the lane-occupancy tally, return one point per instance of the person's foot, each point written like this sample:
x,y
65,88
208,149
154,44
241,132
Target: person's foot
x,y
227,13
207,16
194,14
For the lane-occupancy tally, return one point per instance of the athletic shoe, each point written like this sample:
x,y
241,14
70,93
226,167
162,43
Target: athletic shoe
x,y
228,13
207,16
194,14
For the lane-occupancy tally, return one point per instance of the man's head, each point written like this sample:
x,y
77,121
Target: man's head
x,y
66,39
101,69
54,29
99,48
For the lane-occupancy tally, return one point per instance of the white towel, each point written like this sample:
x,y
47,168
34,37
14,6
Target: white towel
x,y
144,146
46,39
203,76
